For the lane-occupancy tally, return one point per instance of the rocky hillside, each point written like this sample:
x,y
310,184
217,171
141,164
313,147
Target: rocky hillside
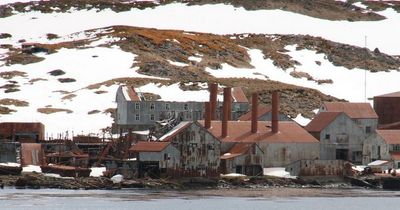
x,y
158,51
71,70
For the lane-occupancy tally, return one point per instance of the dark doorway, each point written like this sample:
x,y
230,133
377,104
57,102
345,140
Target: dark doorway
x,y
239,169
342,154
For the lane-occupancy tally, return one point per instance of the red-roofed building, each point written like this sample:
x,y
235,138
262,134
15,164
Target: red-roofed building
x,y
353,110
340,137
155,158
361,113
243,158
199,150
192,149
388,108
384,145
289,144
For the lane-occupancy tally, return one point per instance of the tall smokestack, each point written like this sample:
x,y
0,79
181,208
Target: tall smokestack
x,y
275,112
207,115
213,88
254,109
225,111
230,99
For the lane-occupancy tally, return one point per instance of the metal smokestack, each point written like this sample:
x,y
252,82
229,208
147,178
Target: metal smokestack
x,y
207,113
225,111
275,112
213,88
254,110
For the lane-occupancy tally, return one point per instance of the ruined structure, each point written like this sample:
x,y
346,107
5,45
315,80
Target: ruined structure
x,y
136,112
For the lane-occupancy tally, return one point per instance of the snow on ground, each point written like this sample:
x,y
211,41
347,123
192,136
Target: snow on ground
x,y
32,168
10,164
87,66
117,178
302,120
231,175
175,63
174,93
210,18
278,172
347,84
97,171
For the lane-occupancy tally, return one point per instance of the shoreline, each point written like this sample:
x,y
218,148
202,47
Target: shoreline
x,y
254,187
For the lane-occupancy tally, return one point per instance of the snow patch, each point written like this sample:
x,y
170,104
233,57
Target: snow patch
x,y
278,172
97,171
32,168
203,19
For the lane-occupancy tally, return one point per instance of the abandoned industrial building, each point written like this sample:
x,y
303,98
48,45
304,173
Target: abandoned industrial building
x,y
220,136
342,129
138,112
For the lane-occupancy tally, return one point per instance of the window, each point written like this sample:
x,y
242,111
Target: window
x,y
137,117
185,106
152,117
396,147
137,106
152,106
167,107
327,136
368,129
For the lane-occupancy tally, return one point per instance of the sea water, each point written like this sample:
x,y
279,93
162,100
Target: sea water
x,y
49,199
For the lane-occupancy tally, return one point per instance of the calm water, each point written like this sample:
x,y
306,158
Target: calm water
x,y
150,200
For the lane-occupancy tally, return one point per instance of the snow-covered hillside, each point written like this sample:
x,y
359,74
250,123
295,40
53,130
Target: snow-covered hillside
x,y
95,63
218,19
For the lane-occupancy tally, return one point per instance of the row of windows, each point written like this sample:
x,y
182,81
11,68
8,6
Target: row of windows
x,y
367,130
167,106
137,117
183,115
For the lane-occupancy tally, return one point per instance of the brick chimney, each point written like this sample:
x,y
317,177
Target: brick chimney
x,y
254,109
207,115
275,112
213,88
225,111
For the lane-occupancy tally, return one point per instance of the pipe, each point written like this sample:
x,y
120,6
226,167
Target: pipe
x,y
213,88
254,110
275,112
207,115
225,111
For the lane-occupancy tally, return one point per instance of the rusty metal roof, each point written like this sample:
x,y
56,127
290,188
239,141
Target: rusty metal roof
x,y
130,94
322,120
390,136
174,131
237,150
395,94
261,110
238,95
240,131
149,146
353,110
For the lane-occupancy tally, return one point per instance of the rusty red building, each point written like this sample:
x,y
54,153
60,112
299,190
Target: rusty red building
x,y
387,107
26,132
261,143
